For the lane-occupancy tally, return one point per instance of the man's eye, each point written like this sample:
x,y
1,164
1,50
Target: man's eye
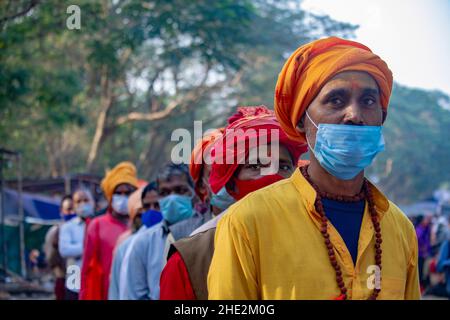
x,y
335,101
285,167
369,101
181,190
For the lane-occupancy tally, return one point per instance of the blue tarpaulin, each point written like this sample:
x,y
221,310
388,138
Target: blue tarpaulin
x,y
38,209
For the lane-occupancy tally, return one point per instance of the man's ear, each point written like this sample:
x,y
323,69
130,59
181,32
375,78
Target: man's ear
x,y
301,124
384,116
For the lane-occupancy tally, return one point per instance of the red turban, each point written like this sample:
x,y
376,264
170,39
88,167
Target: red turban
x,y
197,156
311,66
256,123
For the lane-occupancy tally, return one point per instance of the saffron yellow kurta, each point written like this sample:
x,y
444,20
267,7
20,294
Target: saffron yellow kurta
x,y
269,246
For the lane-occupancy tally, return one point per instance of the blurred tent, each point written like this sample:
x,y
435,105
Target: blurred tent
x,y
38,200
58,187
38,209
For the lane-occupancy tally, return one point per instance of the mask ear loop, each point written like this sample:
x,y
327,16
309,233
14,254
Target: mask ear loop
x,y
307,114
311,148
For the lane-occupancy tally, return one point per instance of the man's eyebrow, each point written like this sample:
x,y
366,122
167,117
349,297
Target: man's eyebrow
x,y
344,91
336,92
372,91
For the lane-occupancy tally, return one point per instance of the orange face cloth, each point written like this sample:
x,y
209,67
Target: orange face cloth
x,y
310,67
124,172
196,165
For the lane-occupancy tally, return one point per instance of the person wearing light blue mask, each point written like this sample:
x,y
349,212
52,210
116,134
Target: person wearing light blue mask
x,y
177,202
345,150
176,207
343,129
192,256
222,199
326,224
71,237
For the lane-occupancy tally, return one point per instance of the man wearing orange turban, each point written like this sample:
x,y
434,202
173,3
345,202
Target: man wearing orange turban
x,y
311,66
102,232
326,232
184,276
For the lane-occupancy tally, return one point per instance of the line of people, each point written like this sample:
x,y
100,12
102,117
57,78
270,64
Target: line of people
x,y
265,225
433,235
153,240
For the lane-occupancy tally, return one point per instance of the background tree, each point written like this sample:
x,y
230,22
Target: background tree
x,y
83,100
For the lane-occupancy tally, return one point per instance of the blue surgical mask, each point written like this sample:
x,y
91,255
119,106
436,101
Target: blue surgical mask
x,y
151,217
222,199
85,210
175,208
346,150
120,204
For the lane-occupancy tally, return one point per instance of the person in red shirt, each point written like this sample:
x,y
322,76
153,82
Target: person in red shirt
x,y
102,232
185,274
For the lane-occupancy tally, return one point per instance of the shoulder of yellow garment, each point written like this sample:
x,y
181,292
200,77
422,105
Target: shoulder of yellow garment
x,y
401,220
399,215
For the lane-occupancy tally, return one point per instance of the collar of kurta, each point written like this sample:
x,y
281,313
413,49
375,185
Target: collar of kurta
x,y
171,228
113,219
303,186
78,220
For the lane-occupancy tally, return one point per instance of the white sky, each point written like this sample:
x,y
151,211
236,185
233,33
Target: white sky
x,y
412,36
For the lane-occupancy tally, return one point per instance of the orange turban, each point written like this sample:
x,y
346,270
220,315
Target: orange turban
x,y
196,164
135,203
124,172
310,67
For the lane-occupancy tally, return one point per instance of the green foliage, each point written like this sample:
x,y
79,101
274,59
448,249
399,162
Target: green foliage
x,y
203,57
417,132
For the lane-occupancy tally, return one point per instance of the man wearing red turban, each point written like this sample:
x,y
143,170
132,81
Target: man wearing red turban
x,y
184,276
200,169
326,232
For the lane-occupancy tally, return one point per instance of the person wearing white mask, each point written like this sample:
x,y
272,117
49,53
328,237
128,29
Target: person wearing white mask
x,y
71,239
103,231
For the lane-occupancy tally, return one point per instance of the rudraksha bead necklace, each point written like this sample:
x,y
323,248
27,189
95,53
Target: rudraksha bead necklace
x,y
366,193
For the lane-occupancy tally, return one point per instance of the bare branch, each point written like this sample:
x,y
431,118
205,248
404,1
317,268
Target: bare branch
x,y
191,96
30,6
107,101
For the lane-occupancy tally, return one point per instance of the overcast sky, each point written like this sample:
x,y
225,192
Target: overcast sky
x,y
412,36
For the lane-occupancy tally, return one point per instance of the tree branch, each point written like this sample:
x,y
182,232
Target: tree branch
x,y
106,103
32,4
190,97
